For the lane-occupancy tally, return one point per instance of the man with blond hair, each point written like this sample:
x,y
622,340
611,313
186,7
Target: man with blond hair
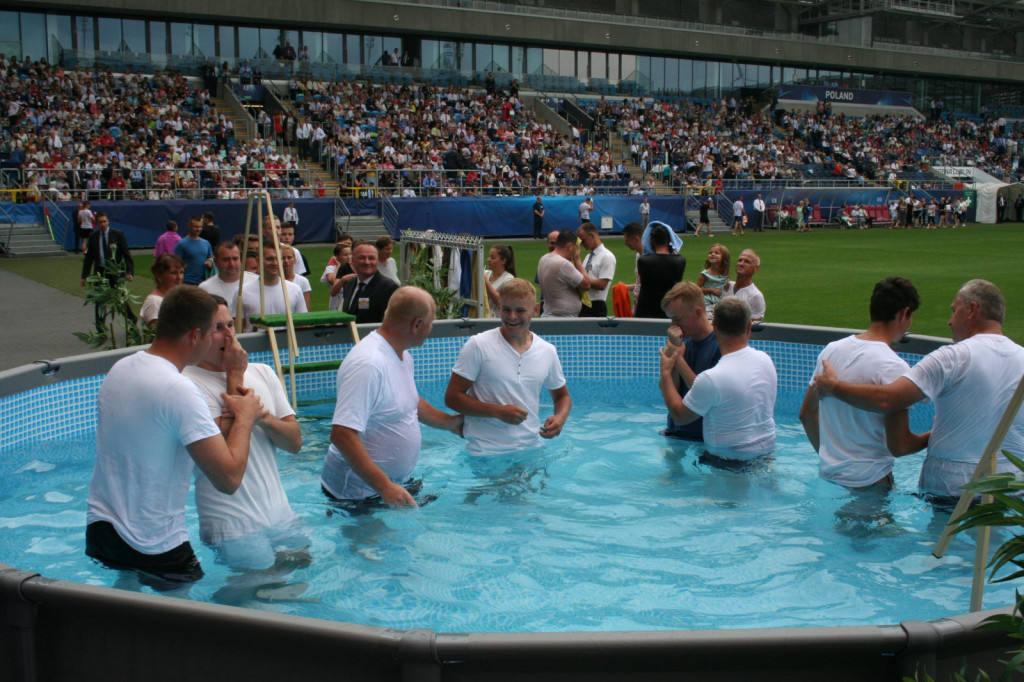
x,y
695,345
496,381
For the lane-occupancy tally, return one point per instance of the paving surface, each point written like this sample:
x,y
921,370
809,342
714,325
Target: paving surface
x,y
37,321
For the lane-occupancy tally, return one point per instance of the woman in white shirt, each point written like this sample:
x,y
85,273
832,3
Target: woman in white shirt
x,y
502,263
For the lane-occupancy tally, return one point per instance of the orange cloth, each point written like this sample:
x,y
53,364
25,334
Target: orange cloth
x,y
620,300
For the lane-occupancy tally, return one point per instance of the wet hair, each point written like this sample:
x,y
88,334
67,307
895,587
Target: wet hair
x,y
987,296
688,292
164,263
726,258
732,315
565,237
506,254
892,295
185,308
517,287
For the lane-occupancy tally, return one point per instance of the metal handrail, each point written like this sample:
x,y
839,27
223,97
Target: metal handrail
x,y
341,210
389,215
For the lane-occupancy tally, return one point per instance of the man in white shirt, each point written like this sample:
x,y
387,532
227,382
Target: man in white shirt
x,y
375,436
259,505
496,381
277,291
857,447
970,382
744,288
599,270
228,260
736,397
561,278
738,211
759,209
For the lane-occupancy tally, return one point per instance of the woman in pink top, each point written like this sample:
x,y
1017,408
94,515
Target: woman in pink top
x,y
165,242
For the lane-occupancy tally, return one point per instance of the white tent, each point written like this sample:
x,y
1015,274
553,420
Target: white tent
x,y
987,210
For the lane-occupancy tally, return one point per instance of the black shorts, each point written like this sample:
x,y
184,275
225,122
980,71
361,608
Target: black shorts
x,y
175,566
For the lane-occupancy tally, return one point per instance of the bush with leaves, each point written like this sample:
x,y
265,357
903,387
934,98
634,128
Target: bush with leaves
x,y
113,300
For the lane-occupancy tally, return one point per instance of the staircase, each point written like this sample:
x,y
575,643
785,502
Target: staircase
x,y
620,150
28,239
717,225
242,136
360,226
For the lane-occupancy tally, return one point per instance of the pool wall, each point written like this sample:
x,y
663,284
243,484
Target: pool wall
x,y
60,630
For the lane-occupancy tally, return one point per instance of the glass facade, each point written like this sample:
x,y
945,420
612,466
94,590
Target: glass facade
x,y
35,34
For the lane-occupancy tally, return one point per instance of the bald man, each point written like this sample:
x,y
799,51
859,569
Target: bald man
x,y
375,436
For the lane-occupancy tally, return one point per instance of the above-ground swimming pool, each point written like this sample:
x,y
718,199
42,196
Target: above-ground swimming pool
x,y
609,528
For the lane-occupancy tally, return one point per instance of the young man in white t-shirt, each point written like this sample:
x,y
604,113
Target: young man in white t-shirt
x,y
259,505
496,381
858,448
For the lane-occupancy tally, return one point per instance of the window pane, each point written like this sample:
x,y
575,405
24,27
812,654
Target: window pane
x,y
248,43
628,71
518,60
60,35
613,67
85,35
534,60
450,55
500,57
373,50
333,48
9,31
33,35
134,35
482,57
686,77
352,49
181,38
109,31
314,41
672,76
203,40
269,39
658,74
226,42
598,65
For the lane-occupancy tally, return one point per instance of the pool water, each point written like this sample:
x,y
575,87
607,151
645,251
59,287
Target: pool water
x,y
608,527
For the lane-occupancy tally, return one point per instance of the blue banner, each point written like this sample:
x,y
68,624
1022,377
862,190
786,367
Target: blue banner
x,y
812,93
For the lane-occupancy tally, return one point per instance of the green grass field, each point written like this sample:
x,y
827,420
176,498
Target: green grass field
x,y
823,278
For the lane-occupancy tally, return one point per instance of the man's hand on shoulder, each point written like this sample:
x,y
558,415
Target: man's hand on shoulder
x,y
825,383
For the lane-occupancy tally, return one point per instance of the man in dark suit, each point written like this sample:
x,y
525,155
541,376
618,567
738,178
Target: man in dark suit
x,y
367,294
107,248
